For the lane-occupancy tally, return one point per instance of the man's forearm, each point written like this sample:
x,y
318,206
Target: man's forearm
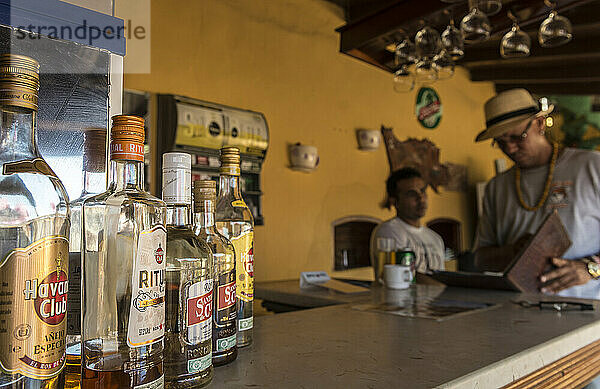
x,y
493,258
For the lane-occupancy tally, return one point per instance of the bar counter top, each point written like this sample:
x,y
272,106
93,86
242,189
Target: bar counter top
x,y
339,346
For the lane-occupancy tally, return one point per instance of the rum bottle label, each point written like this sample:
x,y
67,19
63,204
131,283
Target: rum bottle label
x,y
157,384
74,306
33,308
199,312
226,314
244,265
147,312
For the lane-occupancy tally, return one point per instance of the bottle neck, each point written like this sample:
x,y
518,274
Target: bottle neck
x,y
125,174
229,186
204,215
17,134
93,182
178,215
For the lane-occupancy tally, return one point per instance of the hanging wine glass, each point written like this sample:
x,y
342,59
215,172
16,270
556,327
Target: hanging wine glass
x,y
405,53
515,43
475,26
428,42
443,65
404,81
425,72
489,7
452,40
555,30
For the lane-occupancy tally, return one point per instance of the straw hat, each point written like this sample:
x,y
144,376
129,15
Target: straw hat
x,y
507,110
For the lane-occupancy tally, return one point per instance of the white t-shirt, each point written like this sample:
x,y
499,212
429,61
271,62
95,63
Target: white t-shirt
x,y
574,193
427,245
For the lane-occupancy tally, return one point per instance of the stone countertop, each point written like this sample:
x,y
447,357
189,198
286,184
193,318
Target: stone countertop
x,y
340,346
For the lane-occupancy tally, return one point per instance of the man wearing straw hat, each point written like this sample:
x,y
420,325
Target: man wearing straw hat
x,y
544,178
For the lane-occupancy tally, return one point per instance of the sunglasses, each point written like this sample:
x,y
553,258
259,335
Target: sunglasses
x,y
518,139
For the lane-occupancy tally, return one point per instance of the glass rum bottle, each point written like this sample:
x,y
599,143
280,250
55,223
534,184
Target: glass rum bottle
x,y
34,247
188,337
235,222
224,300
123,290
94,182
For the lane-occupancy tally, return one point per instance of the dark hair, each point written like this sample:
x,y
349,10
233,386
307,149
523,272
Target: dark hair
x,y
392,182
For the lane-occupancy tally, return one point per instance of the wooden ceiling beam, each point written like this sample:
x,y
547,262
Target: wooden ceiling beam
x,y
385,21
553,72
568,88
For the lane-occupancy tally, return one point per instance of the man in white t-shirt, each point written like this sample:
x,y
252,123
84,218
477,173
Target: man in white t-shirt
x,y
407,193
545,178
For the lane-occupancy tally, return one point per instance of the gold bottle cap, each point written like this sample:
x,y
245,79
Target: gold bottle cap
x,y
205,190
94,149
127,135
230,161
19,81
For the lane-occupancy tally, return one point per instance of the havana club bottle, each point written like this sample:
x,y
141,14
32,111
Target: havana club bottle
x,y
235,222
34,247
123,292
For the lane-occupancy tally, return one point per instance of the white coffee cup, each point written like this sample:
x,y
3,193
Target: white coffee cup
x,y
368,139
304,156
397,276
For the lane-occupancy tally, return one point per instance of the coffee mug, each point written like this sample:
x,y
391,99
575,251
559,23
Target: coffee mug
x,y
368,139
304,156
397,276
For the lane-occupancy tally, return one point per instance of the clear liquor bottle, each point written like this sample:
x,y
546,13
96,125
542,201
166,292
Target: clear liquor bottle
x,y
224,299
188,337
235,222
34,247
123,290
94,182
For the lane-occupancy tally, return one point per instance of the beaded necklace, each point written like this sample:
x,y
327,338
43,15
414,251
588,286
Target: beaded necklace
x,y
546,187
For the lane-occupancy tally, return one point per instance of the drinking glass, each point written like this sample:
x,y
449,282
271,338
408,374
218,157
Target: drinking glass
x,y
452,40
515,43
404,80
428,42
425,72
475,26
555,31
385,246
443,65
404,53
489,7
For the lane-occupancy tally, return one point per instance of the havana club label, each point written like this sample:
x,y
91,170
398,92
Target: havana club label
x,y
33,307
244,258
199,312
147,312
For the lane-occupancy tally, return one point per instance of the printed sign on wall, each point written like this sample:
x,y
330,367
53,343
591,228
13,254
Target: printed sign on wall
x,y
428,108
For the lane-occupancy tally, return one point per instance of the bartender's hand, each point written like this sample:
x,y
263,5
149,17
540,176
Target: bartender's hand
x,y
568,274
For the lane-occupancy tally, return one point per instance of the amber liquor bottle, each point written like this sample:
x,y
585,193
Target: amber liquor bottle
x,y
34,247
123,290
188,337
224,300
235,222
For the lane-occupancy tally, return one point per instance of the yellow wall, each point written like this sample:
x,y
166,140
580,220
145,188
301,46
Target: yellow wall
x,y
281,57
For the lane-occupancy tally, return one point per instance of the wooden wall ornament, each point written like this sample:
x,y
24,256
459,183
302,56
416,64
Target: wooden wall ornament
x,y
423,155
428,108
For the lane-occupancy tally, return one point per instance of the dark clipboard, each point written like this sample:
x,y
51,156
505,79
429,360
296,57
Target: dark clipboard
x,y
522,274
